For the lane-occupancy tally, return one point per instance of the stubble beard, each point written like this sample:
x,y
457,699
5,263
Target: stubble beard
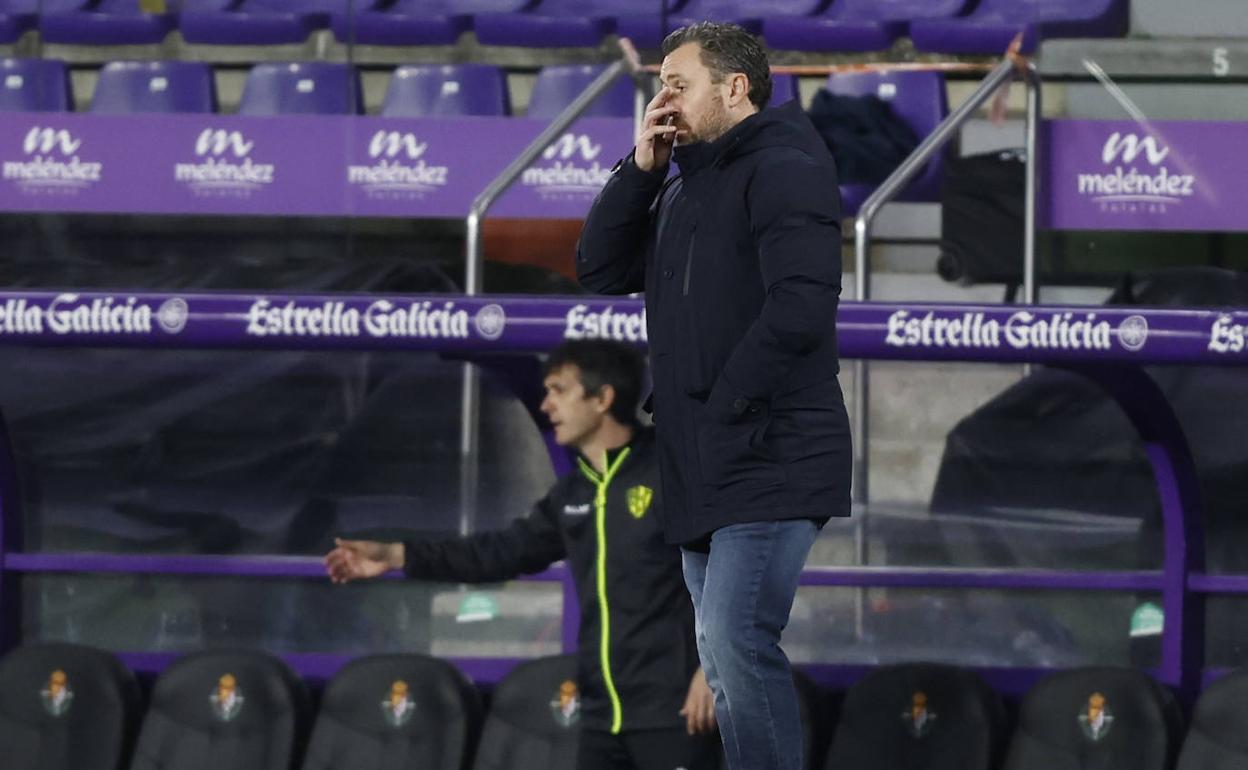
x,y
716,124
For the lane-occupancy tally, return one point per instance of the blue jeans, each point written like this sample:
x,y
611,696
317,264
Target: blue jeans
x,y
742,594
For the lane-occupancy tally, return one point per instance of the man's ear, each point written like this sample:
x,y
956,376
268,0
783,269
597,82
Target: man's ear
x,y
606,397
738,89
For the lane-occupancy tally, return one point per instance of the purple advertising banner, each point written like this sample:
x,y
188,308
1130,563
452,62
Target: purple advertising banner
x,y
454,323
429,167
1099,175
297,165
171,164
1164,175
571,171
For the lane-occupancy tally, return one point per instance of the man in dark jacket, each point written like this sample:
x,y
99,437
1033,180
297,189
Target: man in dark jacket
x,y
645,703
739,258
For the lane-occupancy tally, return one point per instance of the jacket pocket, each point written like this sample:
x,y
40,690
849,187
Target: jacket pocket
x,y
735,454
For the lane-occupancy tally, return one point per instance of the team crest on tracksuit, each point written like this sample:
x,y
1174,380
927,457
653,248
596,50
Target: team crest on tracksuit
x,y
57,697
639,498
919,720
228,700
1095,719
397,708
565,707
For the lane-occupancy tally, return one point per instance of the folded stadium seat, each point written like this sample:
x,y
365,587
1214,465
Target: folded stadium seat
x,y
1096,718
856,25
313,88
253,22
994,23
154,86
919,716
424,90
1218,736
16,18
414,22
553,23
644,27
396,711
558,85
103,22
920,100
241,709
65,707
35,85
783,89
569,23
747,13
577,23
533,717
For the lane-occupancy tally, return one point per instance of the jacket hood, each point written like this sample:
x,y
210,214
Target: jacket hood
x,y
782,126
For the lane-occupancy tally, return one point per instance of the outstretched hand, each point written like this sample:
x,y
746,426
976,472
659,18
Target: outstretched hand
x,y
356,559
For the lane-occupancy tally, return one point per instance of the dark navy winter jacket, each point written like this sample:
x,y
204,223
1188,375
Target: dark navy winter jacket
x,y
739,258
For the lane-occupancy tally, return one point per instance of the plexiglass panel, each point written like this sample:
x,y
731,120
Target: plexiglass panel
x,y
180,614
971,628
257,452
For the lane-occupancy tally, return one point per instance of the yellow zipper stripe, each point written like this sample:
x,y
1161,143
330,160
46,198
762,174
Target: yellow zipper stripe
x,y
604,609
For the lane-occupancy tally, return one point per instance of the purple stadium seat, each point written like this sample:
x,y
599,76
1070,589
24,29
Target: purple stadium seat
x,y
16,17
253,22
155,86
857,25
783,89
747,13
312,88
572,23
415,22
102,22
553,23
645,28
558,85
34,85
920,100
451,89
994,23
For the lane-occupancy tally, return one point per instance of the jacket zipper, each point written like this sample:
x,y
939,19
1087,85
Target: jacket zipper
x,y
604,608
693,238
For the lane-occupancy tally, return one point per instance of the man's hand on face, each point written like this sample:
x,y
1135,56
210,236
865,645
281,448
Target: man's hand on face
x,y
654,145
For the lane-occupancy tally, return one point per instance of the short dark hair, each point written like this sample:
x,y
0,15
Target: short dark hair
x,y
727,48
604,362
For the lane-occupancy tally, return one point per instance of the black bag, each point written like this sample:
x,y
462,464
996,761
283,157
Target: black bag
x,y
981,232
866,138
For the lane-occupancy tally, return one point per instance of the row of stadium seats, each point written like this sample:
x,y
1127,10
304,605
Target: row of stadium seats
x,y
65,706
943,26
43,85
917,98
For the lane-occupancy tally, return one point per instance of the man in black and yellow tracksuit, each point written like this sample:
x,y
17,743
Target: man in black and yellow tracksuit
x,y
644,702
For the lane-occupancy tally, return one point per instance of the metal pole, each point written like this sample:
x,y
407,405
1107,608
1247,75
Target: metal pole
x,y
1034,104
470,401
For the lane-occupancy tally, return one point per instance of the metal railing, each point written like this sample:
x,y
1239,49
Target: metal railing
x,y
1001,75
